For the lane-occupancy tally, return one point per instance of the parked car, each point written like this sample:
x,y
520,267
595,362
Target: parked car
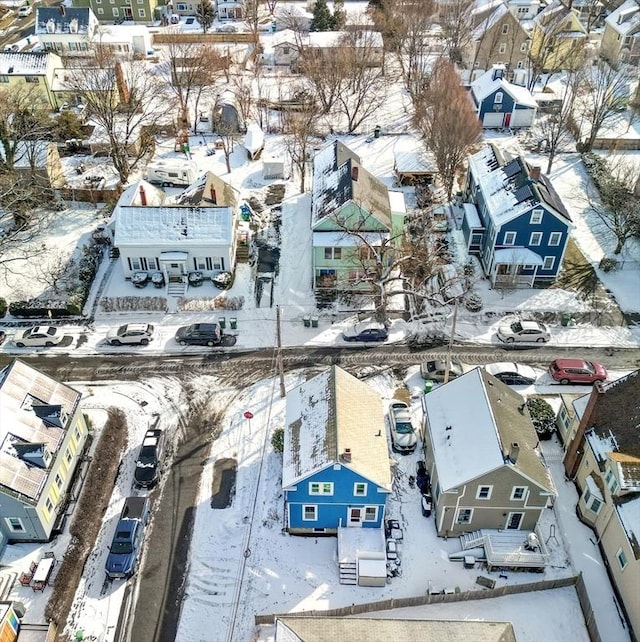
x,y
366,331
12,48
38,336
200,334
130,334
3,336
434,370
126,544
529,331
25,11
513,374
577,371
149,458
403,435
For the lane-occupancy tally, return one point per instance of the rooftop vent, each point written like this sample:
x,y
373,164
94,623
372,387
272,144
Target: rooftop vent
x,y
346,455
73,26
51,26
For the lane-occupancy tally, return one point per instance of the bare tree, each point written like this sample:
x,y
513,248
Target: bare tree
x,y
457,27
607,92
126,101
326,72
448,123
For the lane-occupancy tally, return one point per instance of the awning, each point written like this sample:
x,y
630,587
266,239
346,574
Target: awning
x,y
344,239
517,256
174,256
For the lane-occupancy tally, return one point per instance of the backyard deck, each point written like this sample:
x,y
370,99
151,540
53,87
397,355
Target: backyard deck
x,y
506,549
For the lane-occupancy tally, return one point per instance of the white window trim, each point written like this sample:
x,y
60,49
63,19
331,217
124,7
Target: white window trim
x,y
513,497
620,552
465,510
536,217
315,513
480,488
355,489
498,98
364,513
510,238
502,48
552,260
508,520
321,491
555,236
535,236
22,529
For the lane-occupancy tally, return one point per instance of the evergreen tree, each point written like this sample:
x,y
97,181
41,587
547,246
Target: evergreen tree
x,y
339,15
322,18
206,14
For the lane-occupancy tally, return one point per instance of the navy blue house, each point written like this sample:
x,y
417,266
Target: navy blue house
x,y
336,470
500,103
514,220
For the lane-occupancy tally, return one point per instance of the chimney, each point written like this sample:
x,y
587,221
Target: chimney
x,y
212,190
575,449
143,196
63,11
354,173
534,173
346,455
514,451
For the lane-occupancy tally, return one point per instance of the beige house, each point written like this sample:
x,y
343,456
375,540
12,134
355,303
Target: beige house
x,y
621,37
497,38
483,458
603,457
29,72
42,439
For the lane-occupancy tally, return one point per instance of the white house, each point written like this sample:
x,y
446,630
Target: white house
x,y
175,240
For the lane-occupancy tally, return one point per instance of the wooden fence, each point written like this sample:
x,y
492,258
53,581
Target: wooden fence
x,y
86,195
210,38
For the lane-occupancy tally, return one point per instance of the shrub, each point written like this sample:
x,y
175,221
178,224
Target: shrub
x,y
223,281
473,302
220,302
277,440
542,415
132,303
39,309
3,307
608,265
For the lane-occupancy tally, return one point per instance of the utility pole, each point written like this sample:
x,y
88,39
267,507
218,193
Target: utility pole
x,y
283,392
447,367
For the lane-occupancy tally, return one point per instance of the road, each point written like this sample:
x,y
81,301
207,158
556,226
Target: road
x,y
161,583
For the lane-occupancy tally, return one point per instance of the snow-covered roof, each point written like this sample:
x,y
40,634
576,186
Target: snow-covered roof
x,y
507,187
397,203
329,39
132,195
24,390
625,19
491,81
28,153
24,63
518,256
175,227
471,214
254,139
413,162
209,189
495,10
328,414
473,438
62,19
629,512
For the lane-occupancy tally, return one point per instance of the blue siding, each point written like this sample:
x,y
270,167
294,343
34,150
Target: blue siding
x,y
333,510
489,104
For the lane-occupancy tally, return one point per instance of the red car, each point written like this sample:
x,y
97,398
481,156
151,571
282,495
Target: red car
x,y
577,371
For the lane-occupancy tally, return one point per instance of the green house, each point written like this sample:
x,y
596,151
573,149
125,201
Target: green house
x,y
141,11
355,220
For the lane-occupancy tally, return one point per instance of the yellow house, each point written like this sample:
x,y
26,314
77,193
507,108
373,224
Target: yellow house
x,y
42,439
29,71
557,39
603,456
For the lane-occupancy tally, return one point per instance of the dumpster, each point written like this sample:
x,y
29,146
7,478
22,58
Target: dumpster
x,y
233,323
222,321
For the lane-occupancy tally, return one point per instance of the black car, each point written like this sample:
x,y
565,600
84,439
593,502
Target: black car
x,y
366,331
149,458
199,334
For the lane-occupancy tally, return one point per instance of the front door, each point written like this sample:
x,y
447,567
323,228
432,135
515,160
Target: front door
x,y
355,516
513,521
175,269
128,13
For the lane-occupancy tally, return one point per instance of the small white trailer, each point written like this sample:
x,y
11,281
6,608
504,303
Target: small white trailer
x,y
172,172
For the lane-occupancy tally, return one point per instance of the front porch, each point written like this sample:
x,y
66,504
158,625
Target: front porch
x,y
514,268
362,557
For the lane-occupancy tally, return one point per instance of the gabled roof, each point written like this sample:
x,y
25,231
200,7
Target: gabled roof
x,y
175,227
625,19
554,17
507,186
328,414
486,16
207,190
132,195
25,63
338,177
34,411
74,20
474,438
491,82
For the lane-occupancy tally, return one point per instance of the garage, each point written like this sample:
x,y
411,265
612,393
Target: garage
x,y
522,117
492,120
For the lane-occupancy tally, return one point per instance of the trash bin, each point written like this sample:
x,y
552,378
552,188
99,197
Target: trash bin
x,y
222,322
428,386
376,131
565,318
306,321
314,322
233,323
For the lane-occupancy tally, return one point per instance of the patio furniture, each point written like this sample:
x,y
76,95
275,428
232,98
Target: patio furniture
x,y
32,567
49,554
140,279
157,278
38,586
41,576
25,579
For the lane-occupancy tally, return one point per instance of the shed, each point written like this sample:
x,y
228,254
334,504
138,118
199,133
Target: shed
x,y
273,167
372,571
254,141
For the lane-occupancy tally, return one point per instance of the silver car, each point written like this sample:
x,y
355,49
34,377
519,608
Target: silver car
x,y
529,331
38,336
403,435
130,334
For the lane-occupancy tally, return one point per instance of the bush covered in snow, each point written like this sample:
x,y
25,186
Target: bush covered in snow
x,y
473,302
426,338
221,302
277,440
223,281
3,307
133,303
542,416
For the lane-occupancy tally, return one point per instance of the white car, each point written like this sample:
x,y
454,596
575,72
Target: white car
x,y
403,435
513,374
130,334
23,12
38,336
529,331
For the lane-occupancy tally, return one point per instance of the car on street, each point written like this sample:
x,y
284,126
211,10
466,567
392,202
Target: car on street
x,y
126,545
577,371
367,331
25,11
513,374
3,336
434,370
38,336
130,334
528,331
199,334
403,435
149,459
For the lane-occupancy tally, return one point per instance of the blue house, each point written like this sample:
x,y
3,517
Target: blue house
x,y
514,220
336,470
500,103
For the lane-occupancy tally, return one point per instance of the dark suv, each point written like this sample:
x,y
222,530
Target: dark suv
x,y
199,334
150,458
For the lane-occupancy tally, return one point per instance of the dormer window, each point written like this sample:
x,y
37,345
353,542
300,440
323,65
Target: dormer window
x,y
498,98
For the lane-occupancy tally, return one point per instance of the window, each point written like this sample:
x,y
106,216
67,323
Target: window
x,y
502,48
622,558
484,492
370,513
536,217
141,13
58,482
68,456
518,493
476,238
181,6
100,11
520,64
549,262
591,502
505,30
32,79
218,263
49,506
498,98
535,238
4,78
15,524
555,238
115,12
464,516
309,513
360,489
523,47
523,11
285,51
509,238
334,253
321,488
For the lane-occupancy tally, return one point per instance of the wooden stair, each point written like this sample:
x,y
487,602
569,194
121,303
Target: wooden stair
x,y
242,252
476,539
